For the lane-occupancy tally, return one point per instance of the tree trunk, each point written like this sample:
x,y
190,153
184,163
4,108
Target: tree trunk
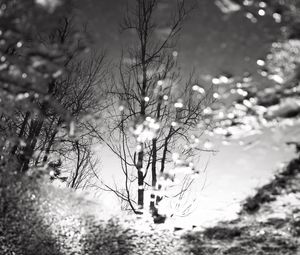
x,y
77,168
154,177
21,133
34,132
141,144
47,151
51,141
140,177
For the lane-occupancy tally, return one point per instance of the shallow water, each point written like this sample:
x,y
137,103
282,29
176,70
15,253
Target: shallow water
x,y
237,170
232,174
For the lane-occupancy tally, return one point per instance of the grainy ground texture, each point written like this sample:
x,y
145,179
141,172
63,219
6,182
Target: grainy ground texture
x,y
38,219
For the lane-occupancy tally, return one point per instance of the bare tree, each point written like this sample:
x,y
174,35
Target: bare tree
x,y
155,111
75,89
28,71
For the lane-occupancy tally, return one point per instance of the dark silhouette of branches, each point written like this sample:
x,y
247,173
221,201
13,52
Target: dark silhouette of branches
x,y
154,110
55,89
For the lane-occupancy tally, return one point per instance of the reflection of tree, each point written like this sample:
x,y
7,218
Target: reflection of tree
x,y
47,85
159,108
29,69
80,93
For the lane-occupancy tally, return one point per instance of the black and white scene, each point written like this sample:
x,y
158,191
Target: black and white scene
x,y
149,127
